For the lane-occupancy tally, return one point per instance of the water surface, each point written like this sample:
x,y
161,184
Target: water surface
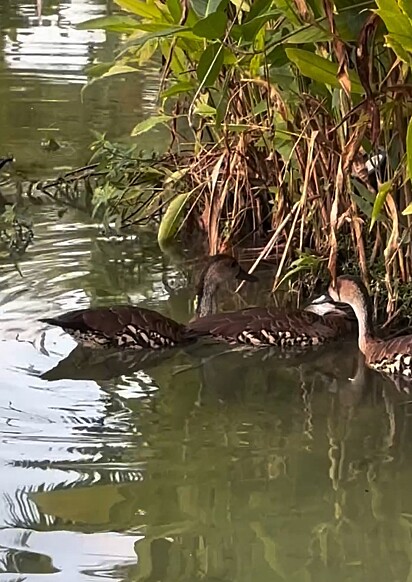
x,y
208,464
42,71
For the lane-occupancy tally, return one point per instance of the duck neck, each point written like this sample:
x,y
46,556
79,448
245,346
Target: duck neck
x,y
206,300
365,329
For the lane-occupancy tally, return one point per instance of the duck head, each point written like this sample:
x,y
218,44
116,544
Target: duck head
x,y
218,270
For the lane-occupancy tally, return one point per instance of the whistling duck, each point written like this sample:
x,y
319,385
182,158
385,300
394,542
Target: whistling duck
x,y
393,356
127,326
322,320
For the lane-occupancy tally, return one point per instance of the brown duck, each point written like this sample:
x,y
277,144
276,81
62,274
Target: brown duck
x,y
392,356
128,326
322,320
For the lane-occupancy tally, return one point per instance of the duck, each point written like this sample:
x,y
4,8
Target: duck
x,y
134,327
390,356
321,321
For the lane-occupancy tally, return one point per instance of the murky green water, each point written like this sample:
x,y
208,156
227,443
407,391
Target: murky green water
x,y
210,464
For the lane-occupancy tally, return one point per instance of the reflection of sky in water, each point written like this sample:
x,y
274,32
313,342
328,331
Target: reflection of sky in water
x,y
45,45
42,70
95,555
63,432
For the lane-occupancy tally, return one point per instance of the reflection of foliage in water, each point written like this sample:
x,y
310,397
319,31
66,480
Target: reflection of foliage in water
x,y
261,473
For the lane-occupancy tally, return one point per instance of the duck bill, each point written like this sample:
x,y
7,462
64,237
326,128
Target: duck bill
x,y
244,276
325,304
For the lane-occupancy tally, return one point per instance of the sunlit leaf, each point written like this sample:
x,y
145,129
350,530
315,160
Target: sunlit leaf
x,y
97,70
179,63
150,123
408,210
205,7
175,9
147,51
205,110
160,33
141,8
398,49
172,218
113,23
119,70
241,5
211,27
409,149
406,6
396,15
384,189
321,70
210,64
303,263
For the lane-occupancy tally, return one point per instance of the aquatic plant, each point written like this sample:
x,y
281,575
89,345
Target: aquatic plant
x,y
289,123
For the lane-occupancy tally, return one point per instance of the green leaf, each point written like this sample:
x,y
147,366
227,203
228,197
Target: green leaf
x,y
175,9
409,149
397,16
177,89
258,7
205,110
303,263
210,64
211,27
380,201
112,23
249,29
398,49
288,8
365,199
150,123
406,6
408,210
97,70
172,218
205,7
161,33
321,70
237,127
260,107
309,35
141,8
119,70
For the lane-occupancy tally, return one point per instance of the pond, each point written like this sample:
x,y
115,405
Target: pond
x,y
211,464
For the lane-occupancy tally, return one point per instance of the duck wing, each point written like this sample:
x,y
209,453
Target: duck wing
x,y
261,326
341,324
391,356
124,325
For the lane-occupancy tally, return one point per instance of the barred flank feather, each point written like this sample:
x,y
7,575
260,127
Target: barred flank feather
x,y
122,326
259,326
